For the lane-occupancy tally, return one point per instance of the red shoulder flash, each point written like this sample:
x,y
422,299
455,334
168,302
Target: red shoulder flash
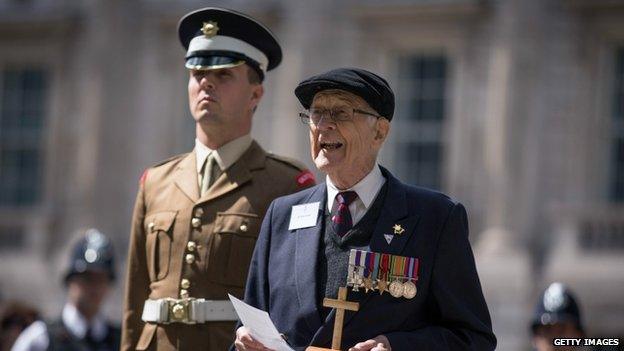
x,y
305,178
142,179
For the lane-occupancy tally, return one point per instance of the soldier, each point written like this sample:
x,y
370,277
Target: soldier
x,y
197,215
557,315
82,327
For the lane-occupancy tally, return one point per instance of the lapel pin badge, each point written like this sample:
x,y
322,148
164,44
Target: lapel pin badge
x,y
398,229
389,238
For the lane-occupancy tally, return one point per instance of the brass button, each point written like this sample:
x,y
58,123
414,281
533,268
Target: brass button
x,y
191,246
190,258
184,294
196,222
185,283
178,311
243,228
199,212
151,226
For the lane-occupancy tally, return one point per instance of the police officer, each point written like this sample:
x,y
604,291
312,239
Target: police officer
x,y
197,215
82,327
557,315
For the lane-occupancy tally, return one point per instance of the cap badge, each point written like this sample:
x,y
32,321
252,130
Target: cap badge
x,y
555,297
398,229
210,29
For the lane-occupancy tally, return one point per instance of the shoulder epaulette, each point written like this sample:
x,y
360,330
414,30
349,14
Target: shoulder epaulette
x,y
304,176
144,174
160,163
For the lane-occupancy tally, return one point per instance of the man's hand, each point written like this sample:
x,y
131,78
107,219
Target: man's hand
x,y
245,342
380,343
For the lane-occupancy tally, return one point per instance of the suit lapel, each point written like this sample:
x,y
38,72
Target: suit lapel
x,y
394,211
237,174
186,177
307,243
394,214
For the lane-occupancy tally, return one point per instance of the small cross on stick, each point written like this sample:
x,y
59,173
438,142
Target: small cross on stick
x,y
341,304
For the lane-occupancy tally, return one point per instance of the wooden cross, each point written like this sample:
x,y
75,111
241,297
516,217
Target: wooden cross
x,y
341,304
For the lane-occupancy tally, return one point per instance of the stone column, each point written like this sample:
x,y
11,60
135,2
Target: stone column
x,y
503,262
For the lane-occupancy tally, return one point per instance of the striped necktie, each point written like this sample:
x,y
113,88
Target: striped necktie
x,y
340,215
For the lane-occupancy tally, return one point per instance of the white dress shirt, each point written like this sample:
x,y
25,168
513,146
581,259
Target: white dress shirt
x,y
366,189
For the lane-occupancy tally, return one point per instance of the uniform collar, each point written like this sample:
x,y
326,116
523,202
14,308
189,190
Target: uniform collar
x,y
226,155
77,324
366,189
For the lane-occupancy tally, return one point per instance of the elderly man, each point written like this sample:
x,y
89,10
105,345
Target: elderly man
x,y
304,250
197,215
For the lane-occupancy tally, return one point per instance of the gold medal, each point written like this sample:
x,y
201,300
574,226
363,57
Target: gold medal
x,y
396,289
368,284
409,290
382,285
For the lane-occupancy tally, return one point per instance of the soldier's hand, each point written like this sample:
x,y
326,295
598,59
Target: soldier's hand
x,y
380,343
245,342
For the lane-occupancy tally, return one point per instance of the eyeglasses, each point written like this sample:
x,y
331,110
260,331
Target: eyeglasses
x,y
315,115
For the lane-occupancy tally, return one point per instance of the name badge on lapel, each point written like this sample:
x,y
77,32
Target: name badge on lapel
x,y
304,216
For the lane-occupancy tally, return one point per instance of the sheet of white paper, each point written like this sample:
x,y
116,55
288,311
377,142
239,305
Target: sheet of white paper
x,y
304,216
260,325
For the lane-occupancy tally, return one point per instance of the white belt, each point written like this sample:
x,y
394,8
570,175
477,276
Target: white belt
x,y
187,311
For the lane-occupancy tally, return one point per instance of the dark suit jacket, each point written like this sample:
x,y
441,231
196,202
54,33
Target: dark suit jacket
x,y
448,312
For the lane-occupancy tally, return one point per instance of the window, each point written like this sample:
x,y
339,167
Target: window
x,y
22,110
421,104
617,168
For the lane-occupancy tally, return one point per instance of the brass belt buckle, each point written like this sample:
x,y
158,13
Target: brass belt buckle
x,y
179,310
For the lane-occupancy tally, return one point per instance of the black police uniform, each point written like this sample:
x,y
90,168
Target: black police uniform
x,y
62,340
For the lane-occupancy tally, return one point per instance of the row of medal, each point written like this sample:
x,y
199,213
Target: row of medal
x,y
383,272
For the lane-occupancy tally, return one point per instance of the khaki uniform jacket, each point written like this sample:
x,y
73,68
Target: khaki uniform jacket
x,y
223,225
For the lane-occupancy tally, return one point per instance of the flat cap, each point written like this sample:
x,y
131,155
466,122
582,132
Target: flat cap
x,y
219,38
372,88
